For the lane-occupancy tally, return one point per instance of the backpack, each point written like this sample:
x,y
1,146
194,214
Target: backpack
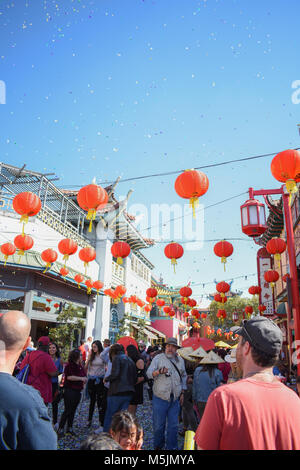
x,y
22,376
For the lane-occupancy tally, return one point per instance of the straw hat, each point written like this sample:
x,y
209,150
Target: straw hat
x,y
185,354
212,358
198,353
231,357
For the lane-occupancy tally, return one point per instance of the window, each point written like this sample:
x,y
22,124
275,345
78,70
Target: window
x,y
11,300
54,305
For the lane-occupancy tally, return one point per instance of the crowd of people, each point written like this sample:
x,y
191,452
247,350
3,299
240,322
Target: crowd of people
x,y
234,400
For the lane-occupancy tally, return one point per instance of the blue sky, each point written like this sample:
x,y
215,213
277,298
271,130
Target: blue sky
x,y
131,87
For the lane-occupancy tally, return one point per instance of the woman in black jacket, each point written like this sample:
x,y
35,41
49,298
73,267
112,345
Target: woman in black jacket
x,y
122,380
138,397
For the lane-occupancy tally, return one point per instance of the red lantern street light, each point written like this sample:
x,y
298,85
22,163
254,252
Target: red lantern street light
x,y
284,168
253,218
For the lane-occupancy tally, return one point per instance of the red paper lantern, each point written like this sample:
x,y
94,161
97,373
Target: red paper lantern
x,y
148,308
141,303
89,285
56,305
98,286
192,303
23,243
90,198
49,256
120,291
67,247
195,313
191,184
262,308
276,246
151,292
79,279
64,272
160,303
47,309
173,251
8,249
248,310
87,255
221,313
167,309
222,288
271,276
172,313
203,315
223,249
285,277
186,314
120,250
26,204
186,292
285,167
254,290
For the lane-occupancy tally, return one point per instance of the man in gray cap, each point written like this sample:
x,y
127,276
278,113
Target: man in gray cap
x,y
257,412
168,372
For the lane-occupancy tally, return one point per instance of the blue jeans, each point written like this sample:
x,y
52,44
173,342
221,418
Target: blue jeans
x,y
164,410
115,403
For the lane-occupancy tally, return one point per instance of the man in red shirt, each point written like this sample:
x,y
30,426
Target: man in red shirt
x,y
257,412
41,369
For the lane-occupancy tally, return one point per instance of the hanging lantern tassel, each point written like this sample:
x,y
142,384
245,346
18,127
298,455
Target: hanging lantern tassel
x,y
86,264
24,219
65,259
48,266
91,216
89,290
194,202
223,260
174,262
119,260
291,187
6,258
20,253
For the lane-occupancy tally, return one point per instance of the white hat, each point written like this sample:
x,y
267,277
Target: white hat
x,y
198,353
212,358
185,354
231,357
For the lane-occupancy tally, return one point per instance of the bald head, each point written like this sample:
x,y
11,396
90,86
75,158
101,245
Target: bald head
x,y
14,330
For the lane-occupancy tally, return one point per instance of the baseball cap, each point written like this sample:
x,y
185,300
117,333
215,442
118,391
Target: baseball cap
x,y
44,340
262,333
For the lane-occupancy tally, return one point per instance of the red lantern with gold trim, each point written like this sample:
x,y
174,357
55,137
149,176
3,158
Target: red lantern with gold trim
x,y
27,204
89,285
120,250
173,251
23,243
79,279
148,308
172,313
91,198
67,247
248,310
49,256
167,309
87,255
285,167
262,309
276,246
222,288
271,276
8,249
64,272
98,286
192,184
223,249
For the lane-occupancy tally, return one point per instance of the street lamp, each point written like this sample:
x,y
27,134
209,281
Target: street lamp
x,y
253,220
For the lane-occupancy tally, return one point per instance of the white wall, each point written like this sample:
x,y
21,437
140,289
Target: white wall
x,y
45,237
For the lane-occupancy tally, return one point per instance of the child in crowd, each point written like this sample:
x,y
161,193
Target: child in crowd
x,y
126,431
139,437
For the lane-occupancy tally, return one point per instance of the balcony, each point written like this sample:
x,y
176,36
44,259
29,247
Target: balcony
x,y
118,275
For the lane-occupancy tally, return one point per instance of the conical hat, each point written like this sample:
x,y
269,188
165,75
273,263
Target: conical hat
x,y
185,354
212,358
198,353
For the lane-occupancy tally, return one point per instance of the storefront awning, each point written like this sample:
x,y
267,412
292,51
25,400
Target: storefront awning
x,y
153,330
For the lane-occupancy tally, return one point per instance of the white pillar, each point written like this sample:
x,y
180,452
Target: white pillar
x,y
104,259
